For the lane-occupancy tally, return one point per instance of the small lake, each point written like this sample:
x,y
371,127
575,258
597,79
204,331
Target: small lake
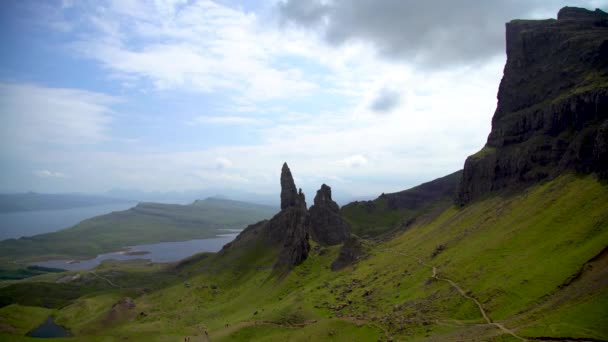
x,y
158,252
28,223
50,329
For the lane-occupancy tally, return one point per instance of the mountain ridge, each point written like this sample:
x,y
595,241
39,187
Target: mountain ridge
x,y
552,112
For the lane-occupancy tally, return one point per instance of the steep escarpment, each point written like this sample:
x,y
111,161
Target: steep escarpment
x,y
552,112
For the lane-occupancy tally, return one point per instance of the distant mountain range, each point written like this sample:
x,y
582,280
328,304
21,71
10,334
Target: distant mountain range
x,y
189,196
34,201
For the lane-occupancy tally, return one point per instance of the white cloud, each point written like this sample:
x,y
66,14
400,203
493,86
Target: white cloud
x,y
227,120
426,137
203,47
356,160
48,174
223,163
437,119
33,114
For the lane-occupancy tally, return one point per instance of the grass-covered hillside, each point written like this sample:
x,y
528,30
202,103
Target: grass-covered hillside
x,y
531,265
395,211
144,223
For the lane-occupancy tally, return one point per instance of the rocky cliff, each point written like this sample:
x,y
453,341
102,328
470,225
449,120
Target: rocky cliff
x,y
552,112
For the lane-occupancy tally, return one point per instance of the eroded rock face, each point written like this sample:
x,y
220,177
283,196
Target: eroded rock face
x,y
289,225
289,194
600,149
296,244
351,252
291,228
325,223
552,102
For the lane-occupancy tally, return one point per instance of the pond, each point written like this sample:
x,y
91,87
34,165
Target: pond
x,y
50,329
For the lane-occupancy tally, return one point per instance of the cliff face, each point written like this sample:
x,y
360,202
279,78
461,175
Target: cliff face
x,y
552,112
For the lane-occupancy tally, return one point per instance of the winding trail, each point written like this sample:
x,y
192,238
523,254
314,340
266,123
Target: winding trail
x,y
465,295
104,278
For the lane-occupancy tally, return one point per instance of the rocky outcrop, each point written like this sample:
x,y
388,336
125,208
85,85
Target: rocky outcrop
x,y
552,105
600,151
289,194
325,223
351,252
288,227
289,231
296,244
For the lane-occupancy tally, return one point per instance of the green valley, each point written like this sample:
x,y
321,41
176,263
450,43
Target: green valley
x,y
236,295
513,247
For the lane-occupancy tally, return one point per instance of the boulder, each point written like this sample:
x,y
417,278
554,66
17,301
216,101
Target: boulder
x,y
351,252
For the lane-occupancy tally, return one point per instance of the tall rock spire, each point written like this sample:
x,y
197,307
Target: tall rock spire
x,y
289,193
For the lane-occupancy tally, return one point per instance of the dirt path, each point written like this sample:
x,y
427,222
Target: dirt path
x,y
104,278
465,295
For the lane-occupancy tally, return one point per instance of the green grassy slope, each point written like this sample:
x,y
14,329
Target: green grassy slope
x,y
535,261
394,211
145,223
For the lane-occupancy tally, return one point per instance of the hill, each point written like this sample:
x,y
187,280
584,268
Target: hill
x,y
144,223
531,265
396,211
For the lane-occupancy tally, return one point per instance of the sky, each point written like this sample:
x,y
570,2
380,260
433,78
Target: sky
x,y
367,96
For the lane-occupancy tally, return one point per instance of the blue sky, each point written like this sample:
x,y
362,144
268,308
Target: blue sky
x,y
179,95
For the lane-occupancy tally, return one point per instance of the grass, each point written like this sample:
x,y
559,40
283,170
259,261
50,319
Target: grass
x,y
16,273
324,330
529,244
20,319
485,151
514,254
372,218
